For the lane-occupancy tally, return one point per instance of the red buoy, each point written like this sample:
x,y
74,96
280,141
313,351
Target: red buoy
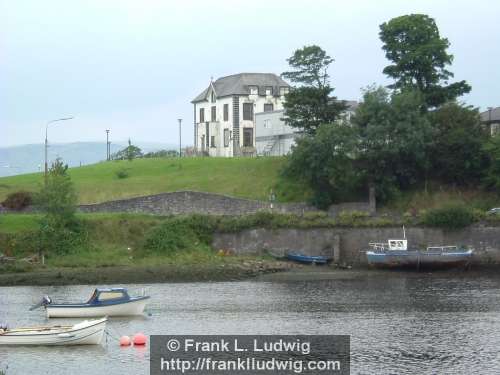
x,y
140,339
125,341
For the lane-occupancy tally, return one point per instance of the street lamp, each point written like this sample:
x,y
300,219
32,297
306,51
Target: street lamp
x,y
180,137
46,142
107,145
489,120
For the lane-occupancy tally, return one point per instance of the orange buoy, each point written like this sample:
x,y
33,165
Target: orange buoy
x,y
125,341
140,339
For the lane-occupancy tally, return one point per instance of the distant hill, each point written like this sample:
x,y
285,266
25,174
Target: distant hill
x,y
30,158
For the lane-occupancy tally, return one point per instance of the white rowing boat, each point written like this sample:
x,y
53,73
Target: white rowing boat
x,y
103,302
88,332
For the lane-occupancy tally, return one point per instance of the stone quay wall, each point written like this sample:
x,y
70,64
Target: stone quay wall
x,y
346,245
189,202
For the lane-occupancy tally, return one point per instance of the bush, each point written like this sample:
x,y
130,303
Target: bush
x,y
18,200
122,173
449,217
180,233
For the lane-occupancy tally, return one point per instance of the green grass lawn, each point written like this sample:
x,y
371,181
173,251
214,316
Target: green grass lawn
x,y
251,178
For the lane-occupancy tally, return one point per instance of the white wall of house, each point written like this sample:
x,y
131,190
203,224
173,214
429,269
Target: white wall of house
x,y
217,129
272,136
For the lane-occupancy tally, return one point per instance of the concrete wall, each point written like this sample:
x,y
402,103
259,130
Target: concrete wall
x,y
272,136
188,202
345,244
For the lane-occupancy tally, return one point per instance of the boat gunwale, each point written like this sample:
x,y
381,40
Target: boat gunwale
x,y
12,333
97,304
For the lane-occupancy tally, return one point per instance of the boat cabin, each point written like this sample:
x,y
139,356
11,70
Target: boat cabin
x,y
390,245
108,295
398,244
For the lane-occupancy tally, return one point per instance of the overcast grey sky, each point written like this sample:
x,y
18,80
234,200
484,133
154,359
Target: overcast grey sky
x,y
134,65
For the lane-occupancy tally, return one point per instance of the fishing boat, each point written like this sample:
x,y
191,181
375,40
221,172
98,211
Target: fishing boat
x,y
308,259
88,332
103,302
396,254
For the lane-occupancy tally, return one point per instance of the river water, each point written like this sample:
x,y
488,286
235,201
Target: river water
x,y
400,323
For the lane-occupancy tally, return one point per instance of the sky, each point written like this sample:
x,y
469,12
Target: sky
x,y
133,66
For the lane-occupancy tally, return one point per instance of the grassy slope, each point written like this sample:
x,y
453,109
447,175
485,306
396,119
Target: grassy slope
x,y
114,240
251,178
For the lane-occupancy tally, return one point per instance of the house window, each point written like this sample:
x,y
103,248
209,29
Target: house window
x,y
283,91
214,113
226,137
226,112
267,124
269,90
254,90
212,97
268,107
212,141
248,111
202,114
247,137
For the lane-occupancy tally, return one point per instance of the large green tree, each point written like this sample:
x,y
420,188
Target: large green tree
x,y
325,162
394,139
310,67
457,153
311,103
419,58
492,148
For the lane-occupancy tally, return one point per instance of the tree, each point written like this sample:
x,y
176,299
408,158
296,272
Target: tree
x,y
310,104
394,139
310,65
457,152
57,197
492,148
129,153
419,58
325,162
60,230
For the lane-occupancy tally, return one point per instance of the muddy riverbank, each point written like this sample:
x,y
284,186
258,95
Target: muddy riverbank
x,y
144,274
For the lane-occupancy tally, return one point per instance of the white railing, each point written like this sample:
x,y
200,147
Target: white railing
x,y
379,246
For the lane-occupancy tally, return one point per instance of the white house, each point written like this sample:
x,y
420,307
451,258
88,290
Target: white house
x,y
224,113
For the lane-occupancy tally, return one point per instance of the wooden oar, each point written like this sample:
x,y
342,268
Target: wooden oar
x,y
39,329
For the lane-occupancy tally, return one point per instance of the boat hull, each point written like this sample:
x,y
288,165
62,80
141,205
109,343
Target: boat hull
x,y
308,259
128,308
84,333
419,259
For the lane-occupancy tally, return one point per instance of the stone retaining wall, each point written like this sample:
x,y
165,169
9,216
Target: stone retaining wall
x,y
346,244
188,202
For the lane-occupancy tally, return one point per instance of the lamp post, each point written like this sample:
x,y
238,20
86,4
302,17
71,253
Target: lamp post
x,y
180,137
47,142
489,120
107,145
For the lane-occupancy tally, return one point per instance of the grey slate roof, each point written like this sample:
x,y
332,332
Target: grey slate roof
x,y
495,115
239,84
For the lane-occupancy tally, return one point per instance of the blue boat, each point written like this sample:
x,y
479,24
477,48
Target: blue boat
x,y
103,302
308,259
396,254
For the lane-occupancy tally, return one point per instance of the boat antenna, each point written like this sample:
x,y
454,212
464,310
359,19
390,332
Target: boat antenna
x,y
404,232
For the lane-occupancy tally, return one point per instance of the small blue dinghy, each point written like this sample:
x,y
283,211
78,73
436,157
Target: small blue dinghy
x,y
308,259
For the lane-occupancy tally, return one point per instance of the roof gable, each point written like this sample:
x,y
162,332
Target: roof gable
x,y
239,84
